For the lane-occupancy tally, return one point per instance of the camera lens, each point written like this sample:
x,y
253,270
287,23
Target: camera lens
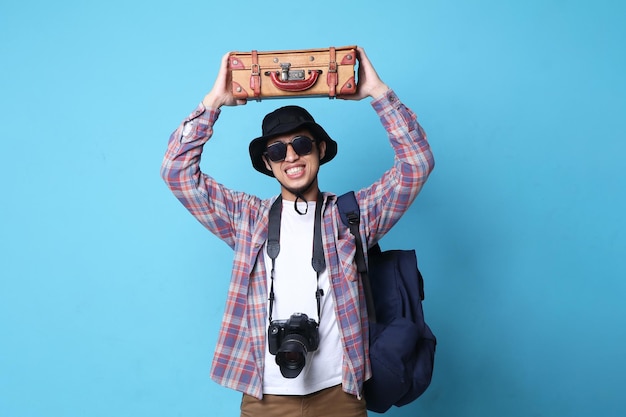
x,y
291,357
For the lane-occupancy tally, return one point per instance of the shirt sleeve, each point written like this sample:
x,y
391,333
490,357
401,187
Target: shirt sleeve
x,y
384,202
211,203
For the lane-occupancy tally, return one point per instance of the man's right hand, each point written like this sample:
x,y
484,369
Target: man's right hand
x,y
221,94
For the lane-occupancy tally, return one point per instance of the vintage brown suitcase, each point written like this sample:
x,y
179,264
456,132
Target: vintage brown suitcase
x,y
298,73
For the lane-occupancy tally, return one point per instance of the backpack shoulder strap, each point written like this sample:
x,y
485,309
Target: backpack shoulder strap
x,y
351,216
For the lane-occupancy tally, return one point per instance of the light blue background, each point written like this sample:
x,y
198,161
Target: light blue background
x,y
111,293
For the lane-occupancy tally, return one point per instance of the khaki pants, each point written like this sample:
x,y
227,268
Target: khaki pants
x,y
329,402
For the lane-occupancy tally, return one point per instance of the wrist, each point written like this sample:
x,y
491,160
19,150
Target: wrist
x,y
379,90
211,102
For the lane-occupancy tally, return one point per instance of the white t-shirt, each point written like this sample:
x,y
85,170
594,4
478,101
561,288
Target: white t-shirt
x,y
295,283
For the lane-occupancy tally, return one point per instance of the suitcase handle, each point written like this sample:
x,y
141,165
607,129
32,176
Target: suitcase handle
x,y
294,85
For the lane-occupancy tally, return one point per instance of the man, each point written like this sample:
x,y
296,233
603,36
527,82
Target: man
x,y
319,366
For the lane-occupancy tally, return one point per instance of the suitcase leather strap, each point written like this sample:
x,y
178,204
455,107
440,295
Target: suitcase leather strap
x,y
255,77
332,78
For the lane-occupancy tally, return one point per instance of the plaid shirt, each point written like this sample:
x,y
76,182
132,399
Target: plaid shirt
x,y
240,220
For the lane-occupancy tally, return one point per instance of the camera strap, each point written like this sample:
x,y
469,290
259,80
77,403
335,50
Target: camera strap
x,y
273,247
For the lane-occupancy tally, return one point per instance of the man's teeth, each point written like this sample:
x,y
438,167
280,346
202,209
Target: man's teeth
x,y
295,170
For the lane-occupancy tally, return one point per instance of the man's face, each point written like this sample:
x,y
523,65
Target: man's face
x,y
297,173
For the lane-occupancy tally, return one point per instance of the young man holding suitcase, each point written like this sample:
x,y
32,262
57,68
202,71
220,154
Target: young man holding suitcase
x,y
305,352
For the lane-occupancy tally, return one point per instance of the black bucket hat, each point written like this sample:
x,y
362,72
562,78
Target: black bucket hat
x,y
284,120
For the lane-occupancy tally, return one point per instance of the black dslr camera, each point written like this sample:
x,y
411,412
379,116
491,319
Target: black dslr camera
x,y
290,340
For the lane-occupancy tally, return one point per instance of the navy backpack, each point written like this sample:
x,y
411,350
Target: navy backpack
x,y
402,346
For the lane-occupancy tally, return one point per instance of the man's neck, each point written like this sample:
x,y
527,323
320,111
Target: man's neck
x,y
308,195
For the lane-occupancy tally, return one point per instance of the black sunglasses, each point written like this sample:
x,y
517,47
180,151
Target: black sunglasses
x,y
277,151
